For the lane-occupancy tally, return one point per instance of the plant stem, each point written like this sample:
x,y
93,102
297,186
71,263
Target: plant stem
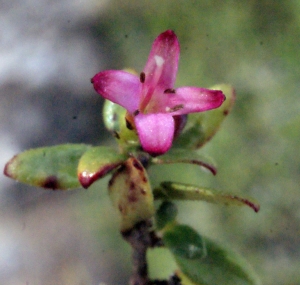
x,y
140,237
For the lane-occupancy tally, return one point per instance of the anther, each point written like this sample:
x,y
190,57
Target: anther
x,y
142,77
128,125
175,108
169,90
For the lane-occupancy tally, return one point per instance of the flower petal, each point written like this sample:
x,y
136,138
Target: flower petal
x,y
120,87
192,99
161,67
155,132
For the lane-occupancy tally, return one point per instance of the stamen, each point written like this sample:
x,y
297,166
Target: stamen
x,y
169,91
142,77
136,112
175,108
128,125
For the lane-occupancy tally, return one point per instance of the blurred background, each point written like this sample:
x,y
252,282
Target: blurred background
x,y
49,50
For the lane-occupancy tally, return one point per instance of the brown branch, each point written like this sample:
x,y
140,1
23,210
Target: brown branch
x,y
141,237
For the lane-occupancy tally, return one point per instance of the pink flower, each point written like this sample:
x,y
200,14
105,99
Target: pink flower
x,y
151,99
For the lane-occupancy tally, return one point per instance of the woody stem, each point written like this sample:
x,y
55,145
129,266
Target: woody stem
x,y
140,237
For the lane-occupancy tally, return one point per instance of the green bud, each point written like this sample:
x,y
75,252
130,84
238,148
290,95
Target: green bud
x,y
114,117
131,193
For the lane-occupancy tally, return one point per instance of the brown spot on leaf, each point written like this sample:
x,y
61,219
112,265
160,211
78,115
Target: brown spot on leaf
x,y
225,112
132,186
50,182
132,198
137,165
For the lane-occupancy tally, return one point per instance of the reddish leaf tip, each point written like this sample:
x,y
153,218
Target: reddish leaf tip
x,y
7,169
210,167
86,178
254,206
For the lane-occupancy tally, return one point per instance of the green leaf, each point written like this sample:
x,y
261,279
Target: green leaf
x,y
165,214
183,241
97,162
52,167
204,262
181,191
176,155
201,127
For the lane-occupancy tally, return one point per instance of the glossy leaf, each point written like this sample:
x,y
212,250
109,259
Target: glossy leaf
x,y
183,241
96,163
52,167
181,191
165,214
204,262
131,193
201,127
176,155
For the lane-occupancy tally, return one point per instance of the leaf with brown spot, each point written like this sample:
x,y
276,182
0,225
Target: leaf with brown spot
x,y
52,167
